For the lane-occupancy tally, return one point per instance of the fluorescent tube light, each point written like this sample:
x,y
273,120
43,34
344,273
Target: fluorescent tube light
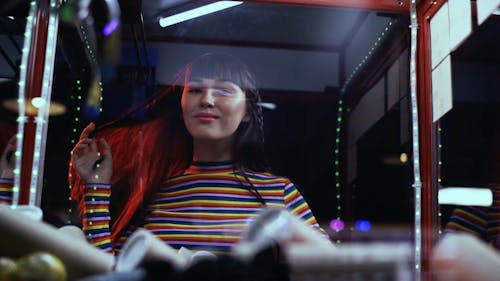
x,y
268,105
465,196
198,12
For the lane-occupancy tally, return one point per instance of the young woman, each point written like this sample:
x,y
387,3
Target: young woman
x,y
194,174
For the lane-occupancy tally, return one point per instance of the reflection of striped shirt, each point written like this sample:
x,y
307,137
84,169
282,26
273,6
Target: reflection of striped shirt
x,y
6,191
484,222
207,207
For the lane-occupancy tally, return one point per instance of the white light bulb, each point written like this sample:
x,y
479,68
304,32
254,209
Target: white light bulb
x,y
38,102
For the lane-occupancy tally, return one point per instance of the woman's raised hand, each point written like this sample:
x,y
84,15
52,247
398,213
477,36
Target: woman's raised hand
x,y
7,161
92,160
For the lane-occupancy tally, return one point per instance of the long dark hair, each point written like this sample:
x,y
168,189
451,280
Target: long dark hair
x,y
248,144
249,137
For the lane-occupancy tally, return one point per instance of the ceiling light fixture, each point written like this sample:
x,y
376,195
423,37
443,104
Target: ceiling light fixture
x,y
198,12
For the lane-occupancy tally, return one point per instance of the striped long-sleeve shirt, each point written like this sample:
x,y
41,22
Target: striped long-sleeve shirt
x,y
207,208
484,222
6,191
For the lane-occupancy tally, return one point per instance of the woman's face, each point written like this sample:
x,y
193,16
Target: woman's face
x,y
212,109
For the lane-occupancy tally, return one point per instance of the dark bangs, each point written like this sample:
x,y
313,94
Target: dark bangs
x,y
221,66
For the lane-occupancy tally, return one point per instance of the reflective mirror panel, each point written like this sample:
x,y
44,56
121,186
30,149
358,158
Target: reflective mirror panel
x,y
469,132
334,88
334,83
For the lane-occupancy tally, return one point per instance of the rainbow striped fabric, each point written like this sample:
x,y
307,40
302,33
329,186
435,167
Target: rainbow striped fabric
x,y
208,206
6,186
484,222
97,218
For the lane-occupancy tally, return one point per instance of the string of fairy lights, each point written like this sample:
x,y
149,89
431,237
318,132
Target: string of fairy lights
x,y
337,224
440,165
417,183
42,103
22,118
77,99
42,118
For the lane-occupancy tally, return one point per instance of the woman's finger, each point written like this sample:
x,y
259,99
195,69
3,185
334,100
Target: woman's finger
x,y
12,141
82,145
93,148
10,147
87,131
106,149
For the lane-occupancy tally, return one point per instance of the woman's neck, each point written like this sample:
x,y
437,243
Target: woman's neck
x,y
212,150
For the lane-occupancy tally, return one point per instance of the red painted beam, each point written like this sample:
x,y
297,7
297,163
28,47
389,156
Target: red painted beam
x,y
398,6
429,168
36,63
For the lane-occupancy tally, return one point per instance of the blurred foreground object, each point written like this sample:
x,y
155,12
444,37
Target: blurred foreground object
x,y
463,257
310,256
22,235
278,226
142,246
276,246
37,266
8,269
41,266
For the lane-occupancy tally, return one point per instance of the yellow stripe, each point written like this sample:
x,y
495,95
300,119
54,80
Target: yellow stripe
x,y
217,202
462,213
205,237
230,190
166,214
95,227
97,244
91,211
98,194
159,226
455,226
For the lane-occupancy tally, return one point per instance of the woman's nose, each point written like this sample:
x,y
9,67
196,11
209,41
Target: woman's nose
x,y
207,98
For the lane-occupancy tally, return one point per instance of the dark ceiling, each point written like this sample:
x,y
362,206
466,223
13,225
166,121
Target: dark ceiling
x,y
342,34
254,24
341,31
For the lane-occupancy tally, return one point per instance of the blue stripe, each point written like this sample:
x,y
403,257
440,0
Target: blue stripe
x,y
192,222
467,224
217,198
195,232
217,211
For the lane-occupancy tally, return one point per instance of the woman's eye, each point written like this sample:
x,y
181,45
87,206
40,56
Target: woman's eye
x,y
194,90
222,91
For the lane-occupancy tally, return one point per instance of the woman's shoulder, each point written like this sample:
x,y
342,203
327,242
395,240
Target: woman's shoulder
x,y
267,176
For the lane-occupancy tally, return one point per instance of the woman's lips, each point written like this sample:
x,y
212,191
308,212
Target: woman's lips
x,y
206,117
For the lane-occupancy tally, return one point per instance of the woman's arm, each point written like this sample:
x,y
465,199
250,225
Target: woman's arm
x,y
296,204
96,220
93,164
